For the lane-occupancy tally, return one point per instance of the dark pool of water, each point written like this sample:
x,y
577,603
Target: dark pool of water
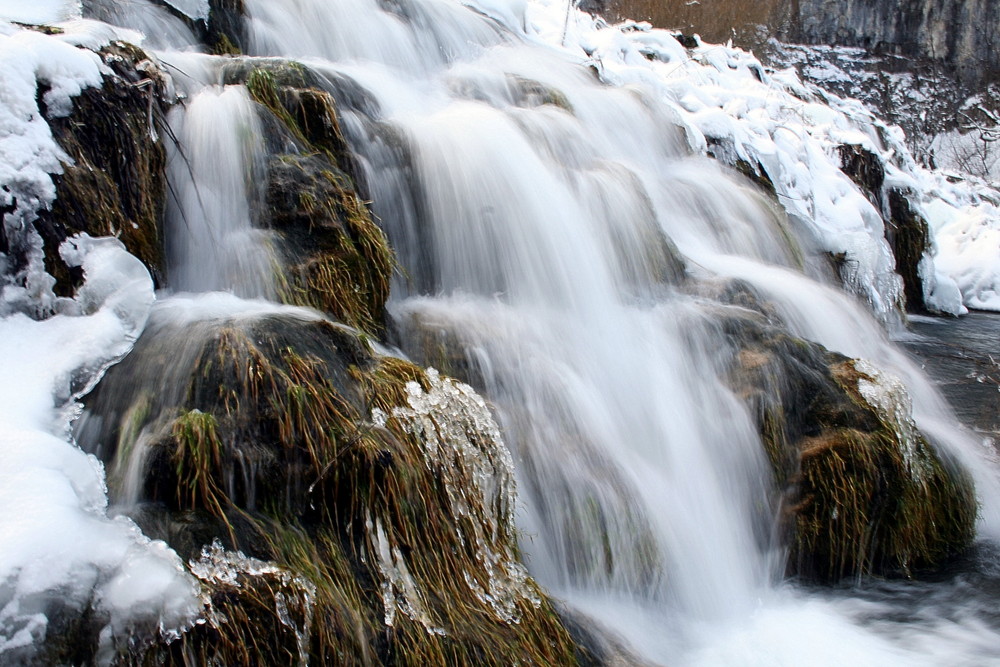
x,y
963,357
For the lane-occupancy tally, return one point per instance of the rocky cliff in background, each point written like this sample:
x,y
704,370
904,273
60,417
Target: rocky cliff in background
x,y
960,34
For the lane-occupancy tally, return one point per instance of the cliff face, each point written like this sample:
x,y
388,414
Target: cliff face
x,y
958,33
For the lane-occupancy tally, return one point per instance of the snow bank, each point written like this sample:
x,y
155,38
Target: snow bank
x,y
59,546
966,224
793,130
29,156
39,12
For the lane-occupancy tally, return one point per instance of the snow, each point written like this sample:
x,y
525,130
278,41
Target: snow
x,y
792,129
29,156
39,12
968,238
59,542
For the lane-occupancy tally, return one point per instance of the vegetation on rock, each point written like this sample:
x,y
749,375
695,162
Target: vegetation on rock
x,y
115,184
334,256
864,492
375,497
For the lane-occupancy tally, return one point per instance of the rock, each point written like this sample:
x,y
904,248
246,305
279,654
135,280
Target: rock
x,y
910,238
863,491
905,229
947,31
225,32
116,185
335,257
376,494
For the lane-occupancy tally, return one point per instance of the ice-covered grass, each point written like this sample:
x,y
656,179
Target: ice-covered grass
x,y
792,130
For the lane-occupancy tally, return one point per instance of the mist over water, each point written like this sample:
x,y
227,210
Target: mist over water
x,y
543,221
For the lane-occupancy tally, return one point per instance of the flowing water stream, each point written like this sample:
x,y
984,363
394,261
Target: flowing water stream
x,y
543,219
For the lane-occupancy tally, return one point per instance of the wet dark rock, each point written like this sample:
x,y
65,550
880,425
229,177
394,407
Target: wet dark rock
x,y
724,151
116,185
865,169
905,229
225,32
861,493
687,41
909,236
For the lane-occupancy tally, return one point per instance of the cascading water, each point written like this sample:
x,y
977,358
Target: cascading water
x,y
212,241
543,220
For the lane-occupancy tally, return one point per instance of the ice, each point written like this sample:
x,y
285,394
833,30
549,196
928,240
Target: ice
x,y
228,571
59,543
464,448
887,394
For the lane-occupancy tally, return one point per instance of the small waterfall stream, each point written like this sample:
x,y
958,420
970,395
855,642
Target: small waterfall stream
x,y
213,244
543,220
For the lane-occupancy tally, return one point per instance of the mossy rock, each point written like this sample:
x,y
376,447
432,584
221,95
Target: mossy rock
x,y
383,487
909,236
863,491
225,32
336,259
531,93
116,185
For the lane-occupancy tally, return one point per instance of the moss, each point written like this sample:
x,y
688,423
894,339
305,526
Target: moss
x,y
863,491
115,184
337,259
223,46
197,459
289,91
532,93
225,33
757,175
377,506
865,169
905,229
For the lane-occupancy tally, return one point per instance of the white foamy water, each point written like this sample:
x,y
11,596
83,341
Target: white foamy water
x,y
212,241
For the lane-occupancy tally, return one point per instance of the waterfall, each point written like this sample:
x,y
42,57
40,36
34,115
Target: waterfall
x,y
213,244
566,236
